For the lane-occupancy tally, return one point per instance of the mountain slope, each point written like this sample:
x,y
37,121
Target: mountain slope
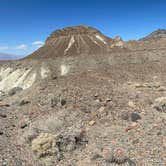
x,y
73,102
73,41
156,35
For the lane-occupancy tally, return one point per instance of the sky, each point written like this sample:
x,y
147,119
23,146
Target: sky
x,y
25,24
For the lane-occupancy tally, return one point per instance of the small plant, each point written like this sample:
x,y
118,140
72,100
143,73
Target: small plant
x,y
119,155
115,153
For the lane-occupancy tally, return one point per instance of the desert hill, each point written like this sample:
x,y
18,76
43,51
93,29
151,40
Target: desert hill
x,y
84,99
76,40
156,35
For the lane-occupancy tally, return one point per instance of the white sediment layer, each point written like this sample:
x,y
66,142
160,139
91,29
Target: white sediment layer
x,y
101,39
11,78
70,44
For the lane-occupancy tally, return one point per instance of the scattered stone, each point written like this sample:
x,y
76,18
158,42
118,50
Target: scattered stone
x,y
162,89
160,104
136,141
54,102
14,90
4,104
92,122
24,102
68,143
98,100
2,93
96,95
54,77
131,126
3,115
147,85
59,156
135,117
101,109
129,83
137,85
131,104
95,156
131,162
125,115
4,163
108,100
23,125
19,163
63,102
1,133
153,85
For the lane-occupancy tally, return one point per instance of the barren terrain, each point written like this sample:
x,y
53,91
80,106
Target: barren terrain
x,y
84,99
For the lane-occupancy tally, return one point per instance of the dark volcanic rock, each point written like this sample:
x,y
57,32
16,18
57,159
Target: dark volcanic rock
x,y
135,117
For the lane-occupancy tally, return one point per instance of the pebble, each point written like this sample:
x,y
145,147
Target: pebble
x,y
161,89
101,109
92,122
125,116
135,117
24,125
131,104
4,163
24,102
3,115
137,85
131,126
95,156
108,100
63,102
1,132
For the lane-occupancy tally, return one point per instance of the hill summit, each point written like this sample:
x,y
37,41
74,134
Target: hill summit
x,y
73,41
156,35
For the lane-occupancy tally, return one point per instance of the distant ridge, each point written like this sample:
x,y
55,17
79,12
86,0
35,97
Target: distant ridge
x,y
156,35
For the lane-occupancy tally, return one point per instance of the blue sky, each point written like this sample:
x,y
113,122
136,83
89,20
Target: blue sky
x,y
25,24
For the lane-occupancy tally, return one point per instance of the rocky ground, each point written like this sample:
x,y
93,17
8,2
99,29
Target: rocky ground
x,y
96,118
107,115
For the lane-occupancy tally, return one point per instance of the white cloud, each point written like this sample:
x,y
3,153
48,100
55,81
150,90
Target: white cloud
x,y
21,47
2,48
38,43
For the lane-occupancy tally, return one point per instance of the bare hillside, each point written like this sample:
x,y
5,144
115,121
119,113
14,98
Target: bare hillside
x,y
84,99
